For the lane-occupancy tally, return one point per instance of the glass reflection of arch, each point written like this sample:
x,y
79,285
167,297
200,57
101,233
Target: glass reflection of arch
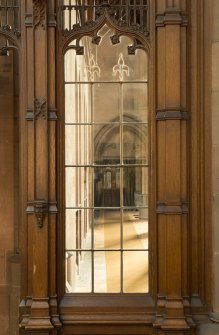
x,y
106,165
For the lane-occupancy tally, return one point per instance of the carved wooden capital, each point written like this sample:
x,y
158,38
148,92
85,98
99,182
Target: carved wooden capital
x,y
176,209
51,114
171,114
51,20
39,14
28,20
40,208
171,16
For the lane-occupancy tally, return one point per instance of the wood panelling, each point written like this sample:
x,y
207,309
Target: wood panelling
x,y
172,154
38,310
172,166
162,255
161,167
172,66
199,157
29,52
30,153
177,181
173,236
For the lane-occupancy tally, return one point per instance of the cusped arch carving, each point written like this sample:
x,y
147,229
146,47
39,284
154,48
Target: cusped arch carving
x,y
90,28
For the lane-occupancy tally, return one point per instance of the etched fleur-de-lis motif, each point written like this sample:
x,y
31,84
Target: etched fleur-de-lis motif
x,y
121,68
92,68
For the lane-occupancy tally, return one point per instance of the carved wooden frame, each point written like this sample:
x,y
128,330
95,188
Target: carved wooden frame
x,y
109,302
180,293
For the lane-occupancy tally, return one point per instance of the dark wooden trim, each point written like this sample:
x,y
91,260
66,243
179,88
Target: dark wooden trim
x,y
171,114
52,115
51,207
207,101
52,20
172,16
179,209
200,239
28,20
107,308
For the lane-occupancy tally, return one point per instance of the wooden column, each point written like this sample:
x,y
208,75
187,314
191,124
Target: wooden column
x,y
39,306
172,165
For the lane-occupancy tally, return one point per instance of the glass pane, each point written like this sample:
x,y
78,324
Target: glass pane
x,y
105,62
106,102
107,187
135,186
135,228
107,228
78,187
78,103
78,271
66,22
106,109
139,64
70,187
70,106
107,271
70,228
71,65
107,144
77,145
135,144
135,102
78,228
136,264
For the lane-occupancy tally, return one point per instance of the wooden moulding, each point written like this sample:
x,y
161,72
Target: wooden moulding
x,y
178,231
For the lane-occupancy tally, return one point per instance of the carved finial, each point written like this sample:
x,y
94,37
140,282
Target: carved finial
x,y
96,39
131,49
115,39
40,209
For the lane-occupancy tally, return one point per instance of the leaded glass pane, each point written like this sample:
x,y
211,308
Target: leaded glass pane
x,y
106,164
